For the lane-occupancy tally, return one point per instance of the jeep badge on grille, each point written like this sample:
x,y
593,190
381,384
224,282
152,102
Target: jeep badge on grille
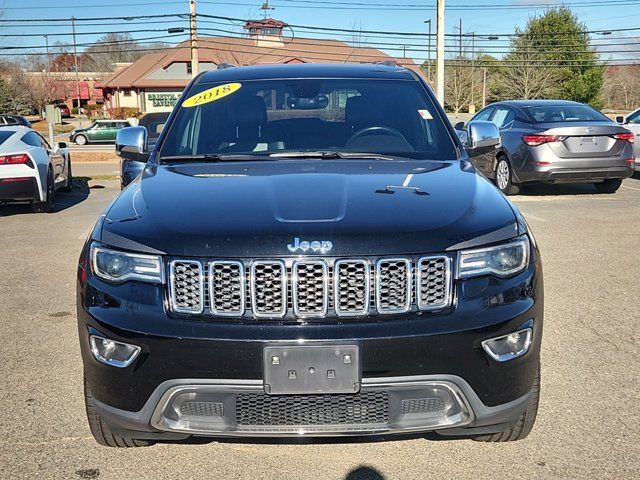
x,y
316,246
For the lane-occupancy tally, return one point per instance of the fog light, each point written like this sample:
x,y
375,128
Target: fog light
x,y
509,346
113,353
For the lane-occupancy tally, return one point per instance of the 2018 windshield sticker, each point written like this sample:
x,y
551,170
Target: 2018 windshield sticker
x,y
211,95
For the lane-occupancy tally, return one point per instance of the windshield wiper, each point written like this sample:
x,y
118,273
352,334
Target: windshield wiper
x,y
330,155
212,157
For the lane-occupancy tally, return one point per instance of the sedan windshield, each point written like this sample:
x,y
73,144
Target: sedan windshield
x,y
309,115
565,113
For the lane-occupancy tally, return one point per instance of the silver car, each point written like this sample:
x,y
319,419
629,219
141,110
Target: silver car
x,y
632,123
554,141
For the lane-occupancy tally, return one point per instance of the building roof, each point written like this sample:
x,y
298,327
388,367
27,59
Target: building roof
x,y
245,51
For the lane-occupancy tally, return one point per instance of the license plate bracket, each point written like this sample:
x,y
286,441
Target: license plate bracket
x,y
311,369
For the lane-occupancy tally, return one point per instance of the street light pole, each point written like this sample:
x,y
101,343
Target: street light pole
x,y
429,52
440,53
75,62
193,33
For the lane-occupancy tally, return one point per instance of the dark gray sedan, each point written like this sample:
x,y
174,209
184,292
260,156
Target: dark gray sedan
x,y
554,141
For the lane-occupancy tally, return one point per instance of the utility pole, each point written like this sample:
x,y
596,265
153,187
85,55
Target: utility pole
x,y
48,64
193,34
440,53
460,37
75,62
473,47
484,87
429,52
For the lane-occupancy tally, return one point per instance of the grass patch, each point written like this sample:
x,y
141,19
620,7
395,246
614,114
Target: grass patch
x,y
79,157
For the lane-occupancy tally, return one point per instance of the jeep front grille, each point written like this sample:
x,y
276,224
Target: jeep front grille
x,y
433,282
351,287
269,288
310,288
186,286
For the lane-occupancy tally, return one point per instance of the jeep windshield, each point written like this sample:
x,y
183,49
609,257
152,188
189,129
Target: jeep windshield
x,y
328,118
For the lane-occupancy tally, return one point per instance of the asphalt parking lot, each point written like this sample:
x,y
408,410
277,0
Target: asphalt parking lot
x,y
589,420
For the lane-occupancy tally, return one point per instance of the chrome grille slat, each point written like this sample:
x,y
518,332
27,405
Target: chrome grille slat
x,y
433,282
226,288
268,288
351,286
186,286
310,288
393,285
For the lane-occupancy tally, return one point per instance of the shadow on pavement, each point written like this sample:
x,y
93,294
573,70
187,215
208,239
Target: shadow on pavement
x,y
364,473
64,200
558,189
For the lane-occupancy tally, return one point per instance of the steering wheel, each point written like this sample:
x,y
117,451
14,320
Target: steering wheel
x,y
376,130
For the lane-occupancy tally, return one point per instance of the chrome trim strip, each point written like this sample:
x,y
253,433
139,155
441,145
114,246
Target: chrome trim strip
x,y
283,268
407,305
336,283
240,386
172,292
448,282
325,284
227,313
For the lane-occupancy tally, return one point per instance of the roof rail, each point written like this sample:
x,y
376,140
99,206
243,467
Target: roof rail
x,y
388,63
222,66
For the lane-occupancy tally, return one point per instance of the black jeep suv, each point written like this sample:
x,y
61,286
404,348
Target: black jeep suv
x,y
308,252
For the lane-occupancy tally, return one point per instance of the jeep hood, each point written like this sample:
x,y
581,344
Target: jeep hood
x,y
253,209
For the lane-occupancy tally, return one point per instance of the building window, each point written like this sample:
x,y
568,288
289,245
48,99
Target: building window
x,y
189,68
127,93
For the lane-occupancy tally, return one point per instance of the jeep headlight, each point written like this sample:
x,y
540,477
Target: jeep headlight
x,y
502,260
116,266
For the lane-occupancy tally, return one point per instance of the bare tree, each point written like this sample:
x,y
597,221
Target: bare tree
x,y
523,76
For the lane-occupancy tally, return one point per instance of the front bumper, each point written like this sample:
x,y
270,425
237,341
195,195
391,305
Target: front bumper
x,y
232,408
410,349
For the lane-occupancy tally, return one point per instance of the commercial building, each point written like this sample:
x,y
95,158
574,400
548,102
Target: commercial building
x,y
154,82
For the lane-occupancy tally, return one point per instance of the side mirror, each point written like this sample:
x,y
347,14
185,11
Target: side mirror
x,y
131,143
62,145
483,135
459,126
620,119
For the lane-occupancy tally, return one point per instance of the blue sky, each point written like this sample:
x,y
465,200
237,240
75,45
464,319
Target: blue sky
x,y
621,14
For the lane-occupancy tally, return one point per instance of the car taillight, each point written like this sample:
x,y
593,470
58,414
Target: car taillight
x,y
626,136
535,140
22,158
630,161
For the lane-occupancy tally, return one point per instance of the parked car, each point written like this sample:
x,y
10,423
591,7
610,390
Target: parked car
x,y
555,141
100,131
64,110
31,170
14,120
632,123
309,252
154,123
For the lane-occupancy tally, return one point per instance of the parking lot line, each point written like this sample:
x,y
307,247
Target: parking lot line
x,y
625,187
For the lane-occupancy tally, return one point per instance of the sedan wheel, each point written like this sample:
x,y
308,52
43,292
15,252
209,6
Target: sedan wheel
x,y
503,177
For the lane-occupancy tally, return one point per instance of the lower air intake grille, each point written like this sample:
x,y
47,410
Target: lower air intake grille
x,y
261,410
201,409
422,405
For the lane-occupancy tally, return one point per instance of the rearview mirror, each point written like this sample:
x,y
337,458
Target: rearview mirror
x,y
483,135
459,126
620,119
131,143
62,145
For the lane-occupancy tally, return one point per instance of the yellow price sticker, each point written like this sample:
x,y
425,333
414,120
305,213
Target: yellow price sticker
x,y
211,95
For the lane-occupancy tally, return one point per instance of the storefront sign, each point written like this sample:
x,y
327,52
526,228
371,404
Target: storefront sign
x,y
163,99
